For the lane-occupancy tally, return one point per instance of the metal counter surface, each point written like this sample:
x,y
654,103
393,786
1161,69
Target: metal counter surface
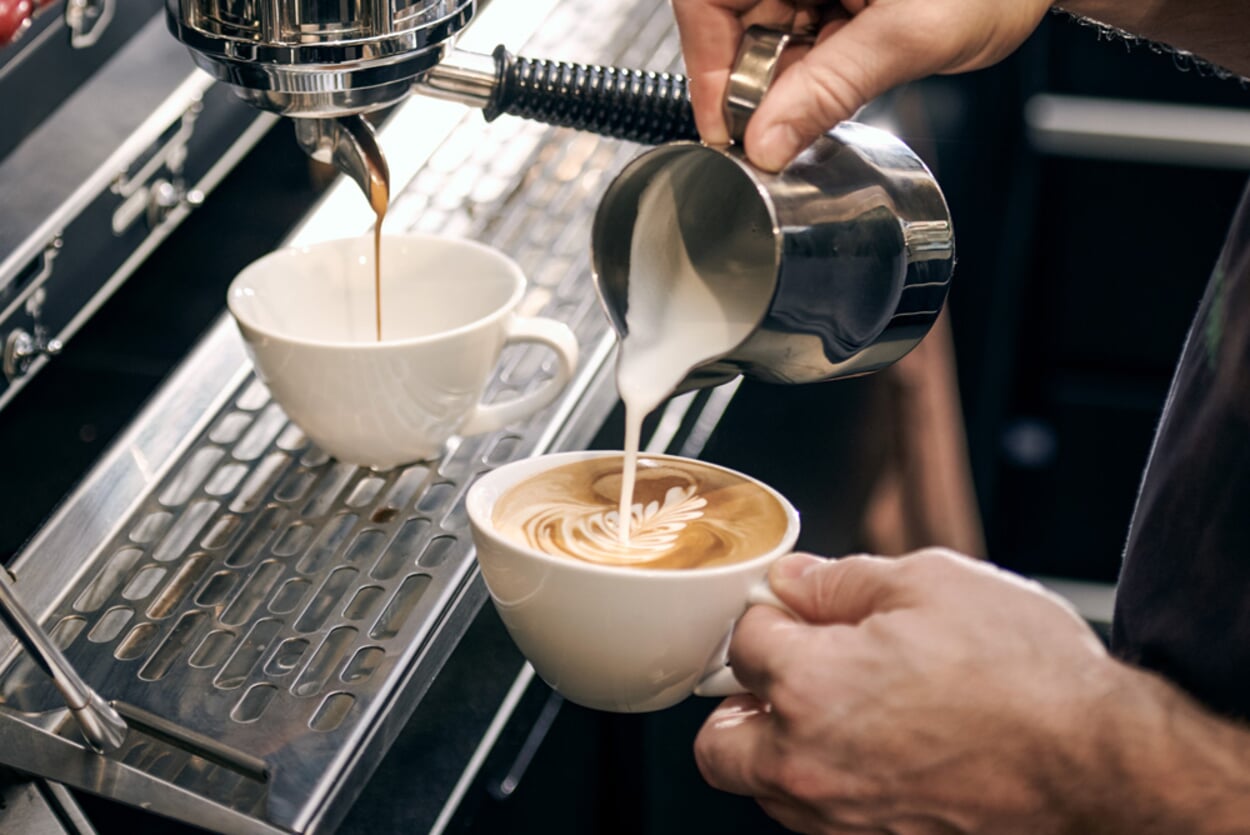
x,y
219,571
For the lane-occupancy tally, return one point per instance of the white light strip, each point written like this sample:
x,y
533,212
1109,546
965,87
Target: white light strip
x,y
484,747
1092,601
1211,137
670,421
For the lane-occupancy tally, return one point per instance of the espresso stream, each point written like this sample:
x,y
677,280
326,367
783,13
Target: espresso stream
x,y
379,197
378,193
688,515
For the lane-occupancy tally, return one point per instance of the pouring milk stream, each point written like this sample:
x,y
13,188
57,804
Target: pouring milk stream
x,y
688,304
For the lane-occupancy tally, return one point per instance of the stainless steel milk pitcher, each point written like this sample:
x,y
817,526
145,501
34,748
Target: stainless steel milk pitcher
x,y
854,239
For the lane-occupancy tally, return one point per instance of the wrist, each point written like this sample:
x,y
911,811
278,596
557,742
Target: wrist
x,y
1157,762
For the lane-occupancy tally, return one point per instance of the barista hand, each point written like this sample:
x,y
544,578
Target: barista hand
x,y
936,694
863,48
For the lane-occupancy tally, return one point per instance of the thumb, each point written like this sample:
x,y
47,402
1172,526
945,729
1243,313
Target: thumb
x,y
844,591
874,52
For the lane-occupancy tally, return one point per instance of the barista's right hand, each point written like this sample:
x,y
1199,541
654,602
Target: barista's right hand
x,y
863,48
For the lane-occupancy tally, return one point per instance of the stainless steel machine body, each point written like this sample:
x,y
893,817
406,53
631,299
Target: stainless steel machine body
x,y
319,58
218,572
101,175
326,63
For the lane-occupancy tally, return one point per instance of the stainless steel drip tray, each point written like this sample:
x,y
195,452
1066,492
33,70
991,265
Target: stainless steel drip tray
x,y
276,601
267,597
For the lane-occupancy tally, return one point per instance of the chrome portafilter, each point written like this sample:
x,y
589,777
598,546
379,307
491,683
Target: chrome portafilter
x,y
320,59
326,62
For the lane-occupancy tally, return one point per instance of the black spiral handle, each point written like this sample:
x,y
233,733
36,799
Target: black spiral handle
x,y
638,106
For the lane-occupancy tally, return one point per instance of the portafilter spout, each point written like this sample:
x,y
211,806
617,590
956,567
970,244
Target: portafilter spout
x,y
350,145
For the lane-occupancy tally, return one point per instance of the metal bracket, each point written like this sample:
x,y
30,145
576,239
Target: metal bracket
x,y
87,20
22,348
147,195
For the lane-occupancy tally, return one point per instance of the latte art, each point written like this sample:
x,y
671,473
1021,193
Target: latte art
x,y
686,515
594,534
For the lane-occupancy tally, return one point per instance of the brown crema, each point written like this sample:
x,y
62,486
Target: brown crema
x,y
685,515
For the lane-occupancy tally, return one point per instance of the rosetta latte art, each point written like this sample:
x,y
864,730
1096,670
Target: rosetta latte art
x,y
686,515
592,534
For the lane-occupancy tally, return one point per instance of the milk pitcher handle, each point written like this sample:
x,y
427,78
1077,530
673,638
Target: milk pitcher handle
x,y
754,68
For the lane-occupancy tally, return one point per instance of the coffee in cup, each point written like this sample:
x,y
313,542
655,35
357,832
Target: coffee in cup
x,y
685,514
608,630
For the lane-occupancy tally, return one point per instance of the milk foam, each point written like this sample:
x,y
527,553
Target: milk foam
x,y
689,515
594,532
682,315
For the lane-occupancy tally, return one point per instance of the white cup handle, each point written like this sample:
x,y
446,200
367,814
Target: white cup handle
x,y
556,336
720,680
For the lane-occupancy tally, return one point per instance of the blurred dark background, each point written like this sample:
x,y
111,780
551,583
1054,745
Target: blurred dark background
x,y
1076,285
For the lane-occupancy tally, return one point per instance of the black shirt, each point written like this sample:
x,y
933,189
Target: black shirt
x,y
1183,604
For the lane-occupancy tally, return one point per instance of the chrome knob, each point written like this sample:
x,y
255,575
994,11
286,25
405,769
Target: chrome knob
x,y
21,349
164,196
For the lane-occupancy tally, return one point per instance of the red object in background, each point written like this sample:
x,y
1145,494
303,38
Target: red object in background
x,y
14,17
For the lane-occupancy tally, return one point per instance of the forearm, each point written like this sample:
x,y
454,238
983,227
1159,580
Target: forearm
x,y
1215,30
1166,765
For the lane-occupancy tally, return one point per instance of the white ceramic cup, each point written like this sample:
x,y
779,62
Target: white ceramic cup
x,y
308,317
617,638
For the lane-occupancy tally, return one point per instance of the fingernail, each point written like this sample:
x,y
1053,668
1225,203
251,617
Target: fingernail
x,y
778,145
792,566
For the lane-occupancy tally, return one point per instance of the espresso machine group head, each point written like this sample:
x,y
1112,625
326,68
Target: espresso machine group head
x,y
327,62
319,58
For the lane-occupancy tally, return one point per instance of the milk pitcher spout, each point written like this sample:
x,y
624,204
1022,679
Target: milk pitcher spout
x,y
841,262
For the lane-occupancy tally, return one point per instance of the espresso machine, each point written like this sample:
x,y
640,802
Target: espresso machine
x,y
325,64
279,642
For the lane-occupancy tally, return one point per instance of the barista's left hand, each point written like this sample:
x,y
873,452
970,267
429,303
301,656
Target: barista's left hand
x,y
929,694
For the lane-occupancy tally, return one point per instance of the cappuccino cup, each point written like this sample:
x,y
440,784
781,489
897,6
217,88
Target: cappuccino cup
x,y
609,628
308,318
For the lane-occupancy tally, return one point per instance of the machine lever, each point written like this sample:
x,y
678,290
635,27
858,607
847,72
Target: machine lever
x,y
101,725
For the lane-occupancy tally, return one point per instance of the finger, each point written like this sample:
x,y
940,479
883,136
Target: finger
x,y
731,744
710,33
844,591
875,51
764,641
